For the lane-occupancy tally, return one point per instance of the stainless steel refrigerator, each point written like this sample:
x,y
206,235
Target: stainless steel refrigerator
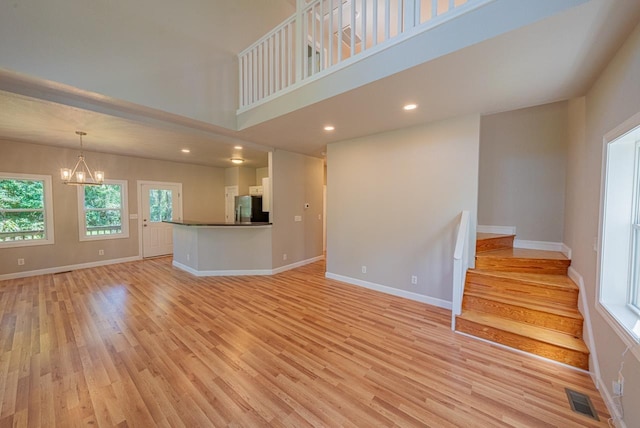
x,y
249,209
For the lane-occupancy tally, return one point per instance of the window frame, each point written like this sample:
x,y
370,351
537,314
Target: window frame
x,y
619,210
633,288
124,213
47,196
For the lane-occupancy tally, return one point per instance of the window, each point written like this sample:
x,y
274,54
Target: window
x,y
634,277
103,211
619,281
26,213
161,205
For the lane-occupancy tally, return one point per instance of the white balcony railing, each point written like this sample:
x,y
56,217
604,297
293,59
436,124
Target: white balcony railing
x,y
324,34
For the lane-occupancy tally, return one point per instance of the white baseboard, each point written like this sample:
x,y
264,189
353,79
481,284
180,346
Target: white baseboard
x,y
543,245
390,290
498,230
612,406
586,315
296,265
194,272
59,269
242,272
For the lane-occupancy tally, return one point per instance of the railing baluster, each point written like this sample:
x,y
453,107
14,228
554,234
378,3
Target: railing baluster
x,y
321,35
290,61
241,82
374,18
253,77
434,8
340,9
313,39
353,29
330,35
363,43
387,20
452,4
400,16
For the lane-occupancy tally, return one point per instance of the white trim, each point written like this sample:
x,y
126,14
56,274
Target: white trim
x,y
139,184
543,245
619,329
521,352
296,264
498,230
124,213
242,272
390,290
59,269
47,196
194,272
583,306
612,407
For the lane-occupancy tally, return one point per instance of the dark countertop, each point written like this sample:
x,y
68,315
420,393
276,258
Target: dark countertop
x,y
204,223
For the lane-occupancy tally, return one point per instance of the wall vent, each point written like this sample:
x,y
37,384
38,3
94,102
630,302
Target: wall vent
x,y
580,403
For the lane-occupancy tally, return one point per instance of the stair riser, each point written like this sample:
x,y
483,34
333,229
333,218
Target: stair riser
x,y
519,288
552,267
568,325
566,356
494,244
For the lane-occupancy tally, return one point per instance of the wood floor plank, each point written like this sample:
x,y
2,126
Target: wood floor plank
x,y
144,344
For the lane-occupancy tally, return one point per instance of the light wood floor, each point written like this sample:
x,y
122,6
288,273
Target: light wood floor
x,y
142,344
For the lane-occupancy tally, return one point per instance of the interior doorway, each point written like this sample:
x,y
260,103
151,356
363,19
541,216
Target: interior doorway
x,y
158,202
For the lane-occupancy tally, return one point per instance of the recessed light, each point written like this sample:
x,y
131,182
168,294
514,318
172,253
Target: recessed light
x,y
186,151
329,128
409,107
237,147
237,160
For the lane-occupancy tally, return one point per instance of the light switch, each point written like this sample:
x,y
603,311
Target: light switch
x,y
297,218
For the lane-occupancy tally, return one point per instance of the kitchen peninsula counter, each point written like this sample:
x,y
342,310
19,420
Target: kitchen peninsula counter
x,y
216,249
217,224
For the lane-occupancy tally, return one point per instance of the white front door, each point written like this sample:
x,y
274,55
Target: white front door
x,y
160,202
230,193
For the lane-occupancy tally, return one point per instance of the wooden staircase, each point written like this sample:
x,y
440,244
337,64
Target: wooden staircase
x,y
523,299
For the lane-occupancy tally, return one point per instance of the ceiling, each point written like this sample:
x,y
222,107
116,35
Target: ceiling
x,y
555,59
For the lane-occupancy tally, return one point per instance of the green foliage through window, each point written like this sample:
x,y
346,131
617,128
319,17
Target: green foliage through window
x,y
161,205
103,209
21,209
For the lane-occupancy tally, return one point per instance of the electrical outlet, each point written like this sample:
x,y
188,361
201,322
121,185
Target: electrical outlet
x,y
414,279
20,262
101,252
364,269
284,256
297,218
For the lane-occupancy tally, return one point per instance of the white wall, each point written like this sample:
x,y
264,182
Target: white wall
x,y
394,202
614,98
523,155
178,57
297,179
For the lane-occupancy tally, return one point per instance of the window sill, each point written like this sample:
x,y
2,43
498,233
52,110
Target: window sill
x,y
26,243
103,237
625,322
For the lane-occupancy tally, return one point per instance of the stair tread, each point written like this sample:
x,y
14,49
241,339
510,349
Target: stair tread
x,y
541,334
524,253
525,301
549,280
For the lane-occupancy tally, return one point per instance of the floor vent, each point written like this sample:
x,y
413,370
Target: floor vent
x,y
580,403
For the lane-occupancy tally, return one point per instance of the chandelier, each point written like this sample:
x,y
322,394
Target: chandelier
x,y
81,175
